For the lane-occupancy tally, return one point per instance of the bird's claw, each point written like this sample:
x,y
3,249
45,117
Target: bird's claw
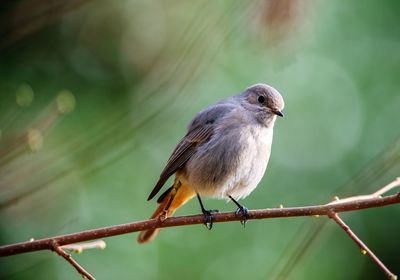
x,y
244,213
209,218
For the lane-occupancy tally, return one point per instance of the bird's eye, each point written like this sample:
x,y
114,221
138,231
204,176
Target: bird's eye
x,y
261,99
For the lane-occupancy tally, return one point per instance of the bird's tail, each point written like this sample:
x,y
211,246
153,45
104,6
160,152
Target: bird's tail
x,y
169,202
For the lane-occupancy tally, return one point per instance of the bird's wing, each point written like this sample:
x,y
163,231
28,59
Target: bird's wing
x,y
200,130
182,153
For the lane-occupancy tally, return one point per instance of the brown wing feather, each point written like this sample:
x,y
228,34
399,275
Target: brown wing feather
x,y
182,153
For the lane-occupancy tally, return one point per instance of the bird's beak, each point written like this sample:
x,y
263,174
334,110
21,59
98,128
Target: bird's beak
x,y
278,113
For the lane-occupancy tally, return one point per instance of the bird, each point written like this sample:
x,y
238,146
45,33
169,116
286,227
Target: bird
x,y
223,155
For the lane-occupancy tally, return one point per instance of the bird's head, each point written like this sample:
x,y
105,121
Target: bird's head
x,y
264,99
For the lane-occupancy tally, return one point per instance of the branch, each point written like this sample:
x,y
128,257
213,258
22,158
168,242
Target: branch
x,y
58,249
340,205
395,183
364,248
337,206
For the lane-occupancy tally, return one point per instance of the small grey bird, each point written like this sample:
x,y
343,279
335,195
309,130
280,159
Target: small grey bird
x,y
224,154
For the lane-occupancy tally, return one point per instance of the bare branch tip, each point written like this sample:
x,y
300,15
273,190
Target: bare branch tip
x,y
80,247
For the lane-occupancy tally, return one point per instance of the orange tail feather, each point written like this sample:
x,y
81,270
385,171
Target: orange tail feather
x,y
179,197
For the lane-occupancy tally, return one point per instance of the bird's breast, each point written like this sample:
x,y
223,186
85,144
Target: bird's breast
x,y
232,163
253,162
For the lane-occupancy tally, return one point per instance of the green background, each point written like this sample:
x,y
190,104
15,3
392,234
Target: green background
x,y
94,95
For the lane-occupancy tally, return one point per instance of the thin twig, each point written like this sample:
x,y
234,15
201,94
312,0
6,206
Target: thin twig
x,y
395,183
363,247
80,247
56,248
388,187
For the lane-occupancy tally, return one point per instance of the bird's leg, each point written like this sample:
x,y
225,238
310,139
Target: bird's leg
x,y
208,214
243,211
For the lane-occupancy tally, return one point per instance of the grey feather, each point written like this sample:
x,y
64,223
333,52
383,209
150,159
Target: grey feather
x,y
227,146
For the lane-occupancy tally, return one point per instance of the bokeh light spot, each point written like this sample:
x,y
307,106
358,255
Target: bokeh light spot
x,y
65,102
24,95
323,114
35,139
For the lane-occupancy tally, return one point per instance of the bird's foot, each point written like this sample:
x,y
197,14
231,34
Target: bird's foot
x,y
244,212
209,218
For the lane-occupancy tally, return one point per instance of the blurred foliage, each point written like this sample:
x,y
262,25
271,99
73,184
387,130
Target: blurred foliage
x,y
94,95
